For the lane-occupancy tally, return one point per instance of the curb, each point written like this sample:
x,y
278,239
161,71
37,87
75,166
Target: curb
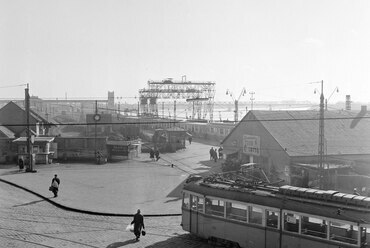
x,y
80,210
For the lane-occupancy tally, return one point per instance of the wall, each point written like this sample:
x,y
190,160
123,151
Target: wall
x,y
273,158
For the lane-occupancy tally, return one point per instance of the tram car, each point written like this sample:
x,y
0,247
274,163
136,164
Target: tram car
x,y
274,217
207,130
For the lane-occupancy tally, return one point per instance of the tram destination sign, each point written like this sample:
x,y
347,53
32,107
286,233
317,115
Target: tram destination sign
x,y
251,145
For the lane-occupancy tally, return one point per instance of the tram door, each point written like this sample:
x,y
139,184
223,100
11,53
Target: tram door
x,y
272,234
194,214
364,232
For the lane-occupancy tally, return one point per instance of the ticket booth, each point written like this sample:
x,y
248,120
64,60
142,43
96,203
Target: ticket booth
x,y
40,149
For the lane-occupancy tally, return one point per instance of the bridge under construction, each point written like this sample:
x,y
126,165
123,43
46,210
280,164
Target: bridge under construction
x,y
199,96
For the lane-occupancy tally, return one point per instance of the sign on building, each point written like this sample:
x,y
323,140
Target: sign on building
x,y
251,145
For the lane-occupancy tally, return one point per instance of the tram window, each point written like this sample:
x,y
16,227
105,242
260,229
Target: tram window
x,y
363,235
343,232
291,222
236,211
272,218
314,227
185,201
255,215
193,202
200,204
214,207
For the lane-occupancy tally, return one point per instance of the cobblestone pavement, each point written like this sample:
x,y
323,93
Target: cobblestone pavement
x,y
27,221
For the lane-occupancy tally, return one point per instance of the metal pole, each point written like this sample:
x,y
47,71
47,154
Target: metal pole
x,y
174,112
321,138
28,131
236,111
252,99
96,112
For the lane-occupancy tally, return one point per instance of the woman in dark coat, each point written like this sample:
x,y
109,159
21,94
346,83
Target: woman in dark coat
x,y
138,224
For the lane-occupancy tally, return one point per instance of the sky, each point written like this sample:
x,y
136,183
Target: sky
x,y
275,48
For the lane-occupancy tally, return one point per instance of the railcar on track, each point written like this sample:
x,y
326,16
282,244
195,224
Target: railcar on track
x,y
274,217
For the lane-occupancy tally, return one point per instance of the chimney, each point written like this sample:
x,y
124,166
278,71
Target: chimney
x,y
348,102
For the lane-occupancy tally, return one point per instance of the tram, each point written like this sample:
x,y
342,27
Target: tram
x,y
274,217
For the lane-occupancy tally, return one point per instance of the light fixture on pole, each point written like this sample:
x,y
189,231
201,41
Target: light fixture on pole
x,y
236,101
322,175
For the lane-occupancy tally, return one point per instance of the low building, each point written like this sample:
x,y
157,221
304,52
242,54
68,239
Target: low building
x,y
282,140
14,127
42,149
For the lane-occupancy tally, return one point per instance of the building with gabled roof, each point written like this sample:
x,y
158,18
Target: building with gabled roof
x,y
13,117
281,141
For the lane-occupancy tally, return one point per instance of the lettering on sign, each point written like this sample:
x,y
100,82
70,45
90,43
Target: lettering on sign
x,y
251,145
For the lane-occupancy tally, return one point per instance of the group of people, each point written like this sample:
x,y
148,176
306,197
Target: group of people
x,y
154,155
215,154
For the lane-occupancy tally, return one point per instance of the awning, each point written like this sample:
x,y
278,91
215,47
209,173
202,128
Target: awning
x,y
36,139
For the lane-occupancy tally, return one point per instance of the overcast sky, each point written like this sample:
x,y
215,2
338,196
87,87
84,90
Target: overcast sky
x,y
85,48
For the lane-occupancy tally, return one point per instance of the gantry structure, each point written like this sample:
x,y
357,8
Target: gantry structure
x,y
199,94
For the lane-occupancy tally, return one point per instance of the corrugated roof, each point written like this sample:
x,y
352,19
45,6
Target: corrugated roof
x,y
298,131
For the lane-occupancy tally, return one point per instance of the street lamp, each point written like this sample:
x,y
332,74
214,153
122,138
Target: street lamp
x,y
236,101
322,133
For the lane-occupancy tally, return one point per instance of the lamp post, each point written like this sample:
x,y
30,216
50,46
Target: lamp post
x,y
322,176
236,102
252,98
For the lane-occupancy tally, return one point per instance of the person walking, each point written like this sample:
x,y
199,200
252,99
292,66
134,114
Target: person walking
x,y
211,154
157,155
151,154
215,155
190,139
55,182
138,224
220,153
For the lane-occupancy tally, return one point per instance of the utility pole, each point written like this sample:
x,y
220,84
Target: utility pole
x,y
323,177
174,112
28,131
96,118
321,138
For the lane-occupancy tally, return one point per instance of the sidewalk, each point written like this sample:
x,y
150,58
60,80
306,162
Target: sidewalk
x,y
117,188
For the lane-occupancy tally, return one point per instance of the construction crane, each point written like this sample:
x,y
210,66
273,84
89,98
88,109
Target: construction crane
x,y
200,94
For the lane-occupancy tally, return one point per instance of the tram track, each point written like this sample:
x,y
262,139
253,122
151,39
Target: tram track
x,y
42,235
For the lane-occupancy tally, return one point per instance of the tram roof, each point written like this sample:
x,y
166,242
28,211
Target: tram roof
x,y
271,197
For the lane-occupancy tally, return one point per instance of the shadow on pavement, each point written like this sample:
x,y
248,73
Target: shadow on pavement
x,y
30,203
184,240
121,244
